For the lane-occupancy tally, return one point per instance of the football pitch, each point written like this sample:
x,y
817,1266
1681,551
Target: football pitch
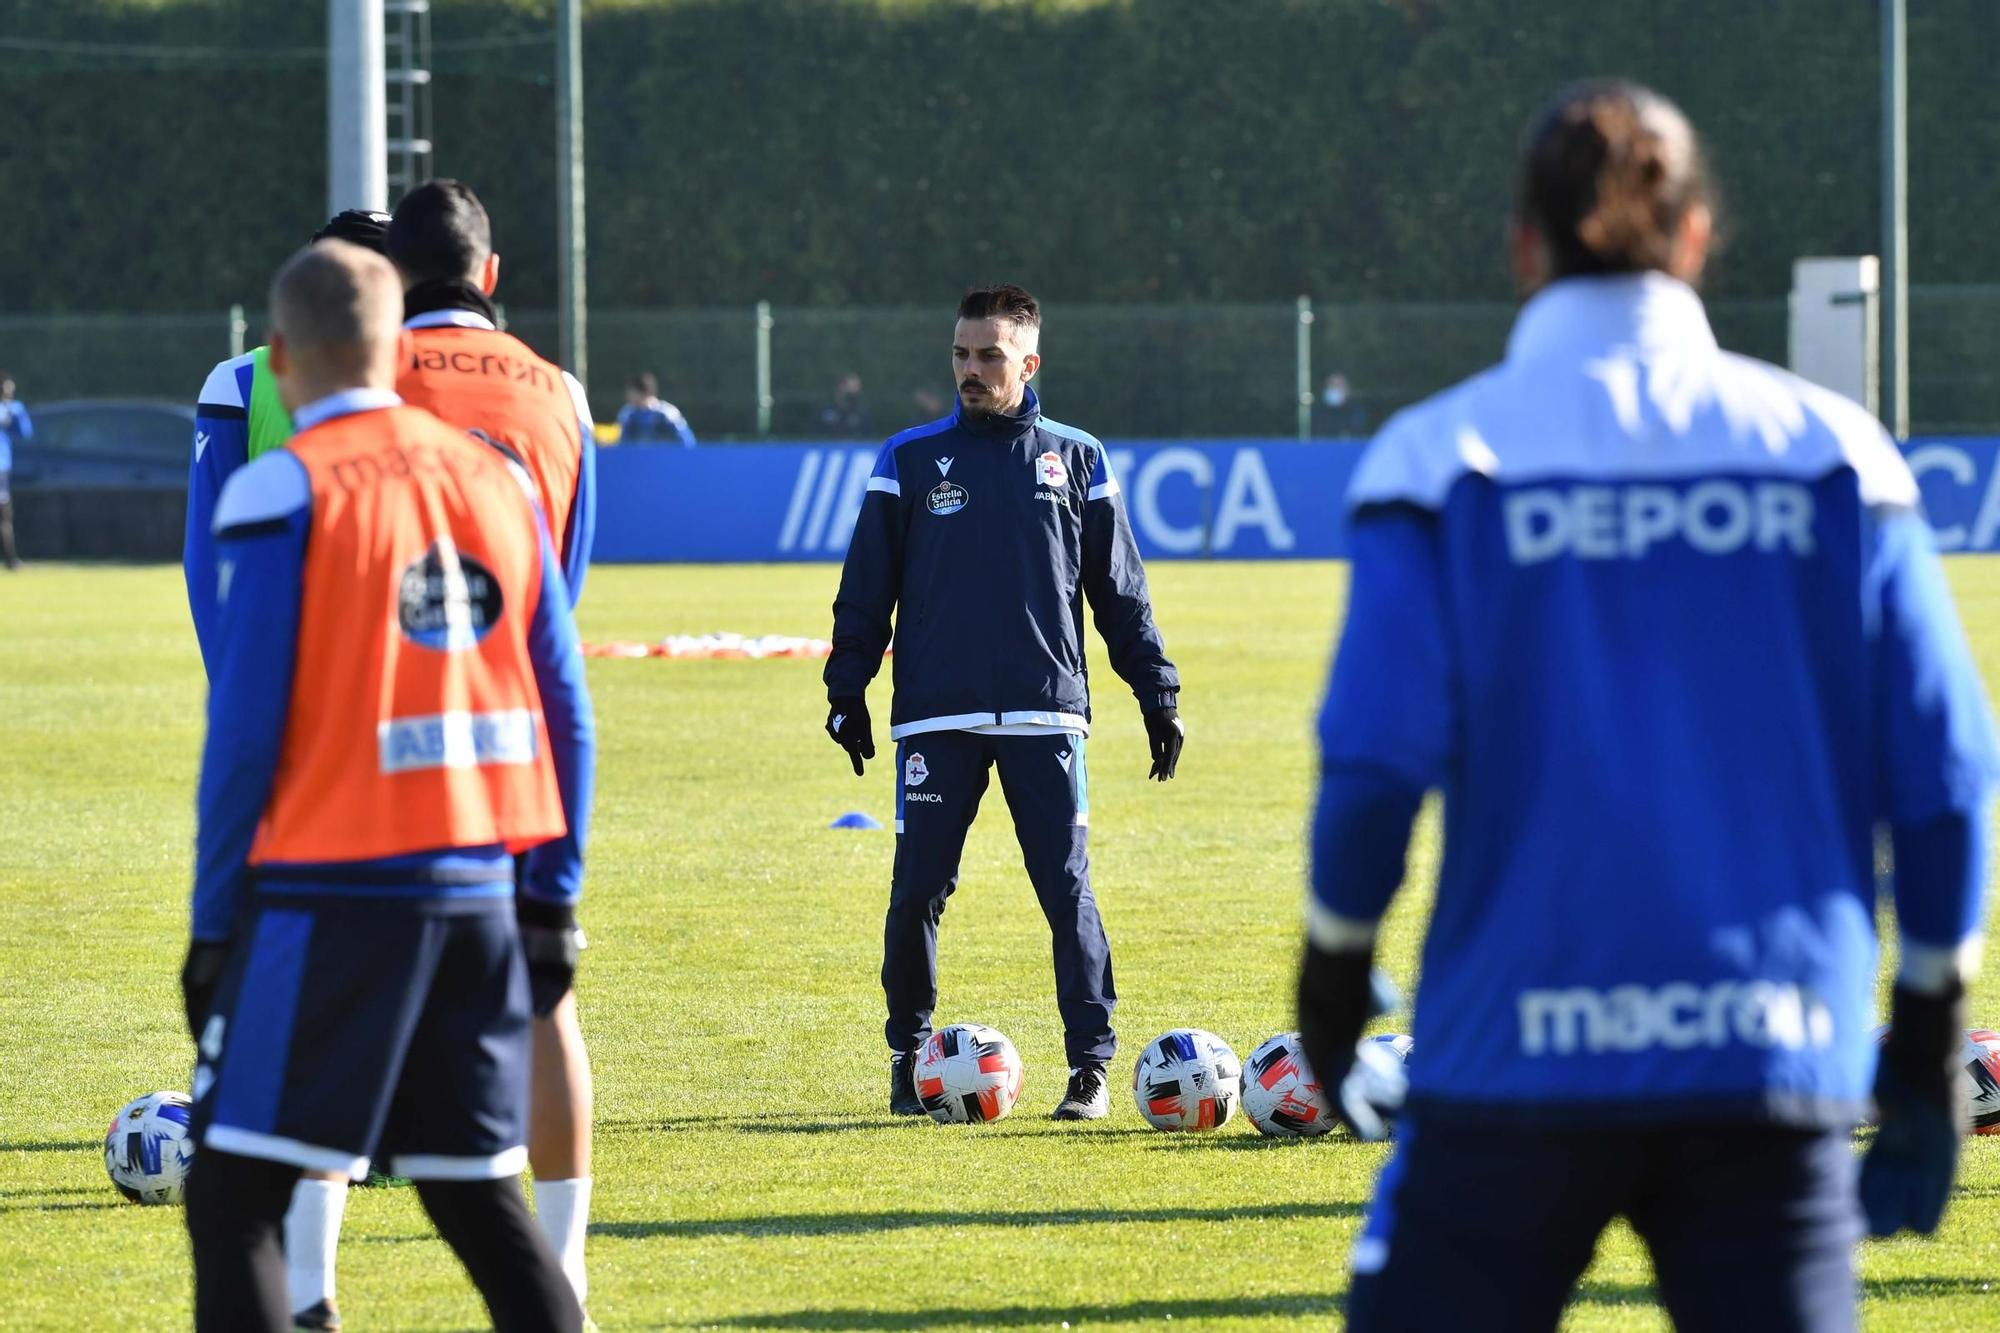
x,y
748,1176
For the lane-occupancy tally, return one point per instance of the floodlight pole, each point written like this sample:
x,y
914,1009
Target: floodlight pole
x,y
357,109
571,338
1895,221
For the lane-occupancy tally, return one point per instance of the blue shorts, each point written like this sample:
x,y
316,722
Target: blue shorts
x,y
1749,1226
346,1032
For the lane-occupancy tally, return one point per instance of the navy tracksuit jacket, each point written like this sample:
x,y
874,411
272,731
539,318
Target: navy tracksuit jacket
x,y
981,538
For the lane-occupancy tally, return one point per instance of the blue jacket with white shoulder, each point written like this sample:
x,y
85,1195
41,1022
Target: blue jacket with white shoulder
x,y
1665,627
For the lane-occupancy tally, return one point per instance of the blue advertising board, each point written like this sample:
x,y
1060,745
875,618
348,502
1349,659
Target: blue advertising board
x,y
1250,499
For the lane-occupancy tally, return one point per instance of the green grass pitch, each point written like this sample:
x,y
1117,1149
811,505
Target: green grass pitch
x,y
747,1175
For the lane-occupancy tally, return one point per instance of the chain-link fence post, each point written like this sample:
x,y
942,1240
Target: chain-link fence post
x,y
1305,360
764,399
239,328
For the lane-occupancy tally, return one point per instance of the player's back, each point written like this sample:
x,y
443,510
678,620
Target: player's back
x,y
1653,558
478,378
422,576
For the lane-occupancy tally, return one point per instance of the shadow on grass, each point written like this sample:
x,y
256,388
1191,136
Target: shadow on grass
x,y
1226,1142
1589,1292
56,1145
843,1224
752,1125
27,1207
1047,1316
779,1124
1899,1288
47,1191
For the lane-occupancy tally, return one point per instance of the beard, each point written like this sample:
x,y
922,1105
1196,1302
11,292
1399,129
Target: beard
x,y
983,405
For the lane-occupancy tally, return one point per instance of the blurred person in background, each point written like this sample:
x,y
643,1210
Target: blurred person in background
x,y
846,417
648,418
1335,412
474,377
16,427
1668,628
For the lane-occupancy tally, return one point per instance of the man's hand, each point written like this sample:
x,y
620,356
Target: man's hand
x,y
551,943
1164,735
1906,1176
200,975
847,722
1339,991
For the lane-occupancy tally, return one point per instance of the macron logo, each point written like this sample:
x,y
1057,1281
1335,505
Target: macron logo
x,y
944,466
200,444
1062,757
1679,1016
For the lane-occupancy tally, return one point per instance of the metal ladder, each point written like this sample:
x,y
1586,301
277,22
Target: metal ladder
x,y
406,43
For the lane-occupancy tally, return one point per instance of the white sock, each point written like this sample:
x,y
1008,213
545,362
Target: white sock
x,y
312,1231
562,1207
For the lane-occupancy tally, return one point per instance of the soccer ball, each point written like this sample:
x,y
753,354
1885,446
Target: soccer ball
x,y
1982,1062
1280,1093
1187,1079
968,1074
147,1149
1980,1055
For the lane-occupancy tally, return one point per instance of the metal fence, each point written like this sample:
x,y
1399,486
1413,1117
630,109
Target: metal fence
x,y
1213,370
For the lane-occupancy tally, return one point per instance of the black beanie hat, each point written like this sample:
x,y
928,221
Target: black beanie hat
x,y
363,226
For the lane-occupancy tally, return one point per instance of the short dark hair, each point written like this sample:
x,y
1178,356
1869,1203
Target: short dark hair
x,y
365,227
1005,301
645,382
1608,172
439,231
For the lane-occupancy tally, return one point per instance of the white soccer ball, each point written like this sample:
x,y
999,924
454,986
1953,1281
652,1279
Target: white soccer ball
x,y
1982,1065
1980,1055
968,1074
1281,1095
147,1149
1187,1079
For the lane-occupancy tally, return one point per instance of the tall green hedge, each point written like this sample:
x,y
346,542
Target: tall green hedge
x,y
888,152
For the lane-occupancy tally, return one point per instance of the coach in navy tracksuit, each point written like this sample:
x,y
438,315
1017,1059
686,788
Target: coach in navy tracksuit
x,y
983,533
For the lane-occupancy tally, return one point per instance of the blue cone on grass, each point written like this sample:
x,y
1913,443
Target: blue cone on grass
x,y
856,819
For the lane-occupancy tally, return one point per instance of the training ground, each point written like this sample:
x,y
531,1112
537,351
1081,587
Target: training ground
x,y
747,1174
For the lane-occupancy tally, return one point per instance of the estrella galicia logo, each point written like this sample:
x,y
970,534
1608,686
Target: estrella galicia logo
x,y
447,600
948,497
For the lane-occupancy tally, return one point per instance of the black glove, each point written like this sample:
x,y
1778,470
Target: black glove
x,y
200,975
1164,735
1338,993
551,943
1906,1176
847,722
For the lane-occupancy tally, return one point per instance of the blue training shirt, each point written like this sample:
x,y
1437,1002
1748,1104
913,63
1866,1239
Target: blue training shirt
x,y
1665,627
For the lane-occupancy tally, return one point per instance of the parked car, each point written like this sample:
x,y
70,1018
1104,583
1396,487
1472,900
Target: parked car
x,y
91,442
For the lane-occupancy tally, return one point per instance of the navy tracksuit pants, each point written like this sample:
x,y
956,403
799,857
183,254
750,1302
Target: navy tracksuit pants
x,y
1749,1226
940,777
